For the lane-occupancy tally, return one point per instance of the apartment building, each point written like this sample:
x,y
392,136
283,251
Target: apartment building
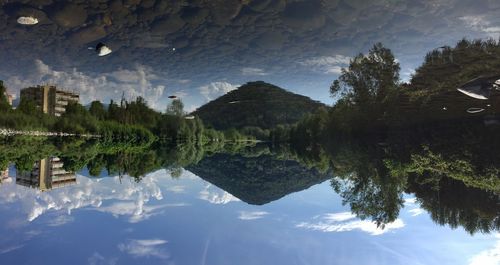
x,y
47,174
51,100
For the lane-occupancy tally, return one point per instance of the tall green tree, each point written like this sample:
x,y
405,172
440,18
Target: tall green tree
x,y
365,89
97,110
176,108
4,103
28,107
369,78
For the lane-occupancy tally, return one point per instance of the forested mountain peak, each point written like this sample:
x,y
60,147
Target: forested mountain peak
x,y
258,104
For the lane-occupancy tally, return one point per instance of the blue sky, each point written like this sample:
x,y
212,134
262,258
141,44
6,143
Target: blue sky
x,y
202,50
189,221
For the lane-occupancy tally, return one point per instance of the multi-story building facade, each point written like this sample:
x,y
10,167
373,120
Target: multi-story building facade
x,y
47,174
4,174
51,100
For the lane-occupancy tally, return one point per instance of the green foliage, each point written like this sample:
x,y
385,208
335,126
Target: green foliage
x,y
97,110
447,68
364,90
310,129
18,120
257,132
435,166
368,79
450,202
256,180
256,104
280,133
131,122
4,103
76,154
175,108
28,107
370,99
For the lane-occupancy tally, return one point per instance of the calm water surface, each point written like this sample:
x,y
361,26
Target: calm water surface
x,y
114,219
428,198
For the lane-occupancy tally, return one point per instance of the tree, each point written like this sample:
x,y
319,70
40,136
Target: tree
x,y
176,108
114,111
368,79
365,90
28,107
4,103
97,110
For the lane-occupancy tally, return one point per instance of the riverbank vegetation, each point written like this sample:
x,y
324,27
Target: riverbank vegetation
x,y
384,137
370,97
130,121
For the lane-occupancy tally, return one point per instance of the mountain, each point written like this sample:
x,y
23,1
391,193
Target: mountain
x,y
257,180
256,104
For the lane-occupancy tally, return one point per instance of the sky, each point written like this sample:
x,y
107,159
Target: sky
x,y
162,220
199,50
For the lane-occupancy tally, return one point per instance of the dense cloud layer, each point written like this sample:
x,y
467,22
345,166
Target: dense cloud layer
x,y
232,40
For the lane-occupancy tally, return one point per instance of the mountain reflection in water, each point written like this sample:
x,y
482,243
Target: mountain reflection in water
x,y
384,189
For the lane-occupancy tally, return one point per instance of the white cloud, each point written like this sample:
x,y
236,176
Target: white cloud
x,y
136,211
339,217
145,248
216,195
407,74
334,70
488,257
416,211
104,86
177,189
410,201
150,41
126,199
346,221
130,76
216,89
180,94
11,248
327,64
252,215
250,71
413,208
191,108
481,23
97,259
60,220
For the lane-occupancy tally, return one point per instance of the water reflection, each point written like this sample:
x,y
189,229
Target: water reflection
x,y
212,188
428,182
371,176
257,179
403,173
47,174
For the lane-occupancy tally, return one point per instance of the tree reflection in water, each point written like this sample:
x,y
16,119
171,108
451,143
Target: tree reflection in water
x,y
453,174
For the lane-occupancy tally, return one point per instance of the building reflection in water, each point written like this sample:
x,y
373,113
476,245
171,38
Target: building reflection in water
x,y
4,176
47,174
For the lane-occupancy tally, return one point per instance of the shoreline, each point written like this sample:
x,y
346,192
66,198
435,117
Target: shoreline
x,y
12,132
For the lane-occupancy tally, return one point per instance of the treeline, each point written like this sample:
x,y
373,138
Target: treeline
x,y
453,173
24,151
126,121
372,99
383,137
99,155
255,108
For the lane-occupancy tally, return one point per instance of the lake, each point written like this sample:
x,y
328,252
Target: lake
x,y
264,132
258,205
